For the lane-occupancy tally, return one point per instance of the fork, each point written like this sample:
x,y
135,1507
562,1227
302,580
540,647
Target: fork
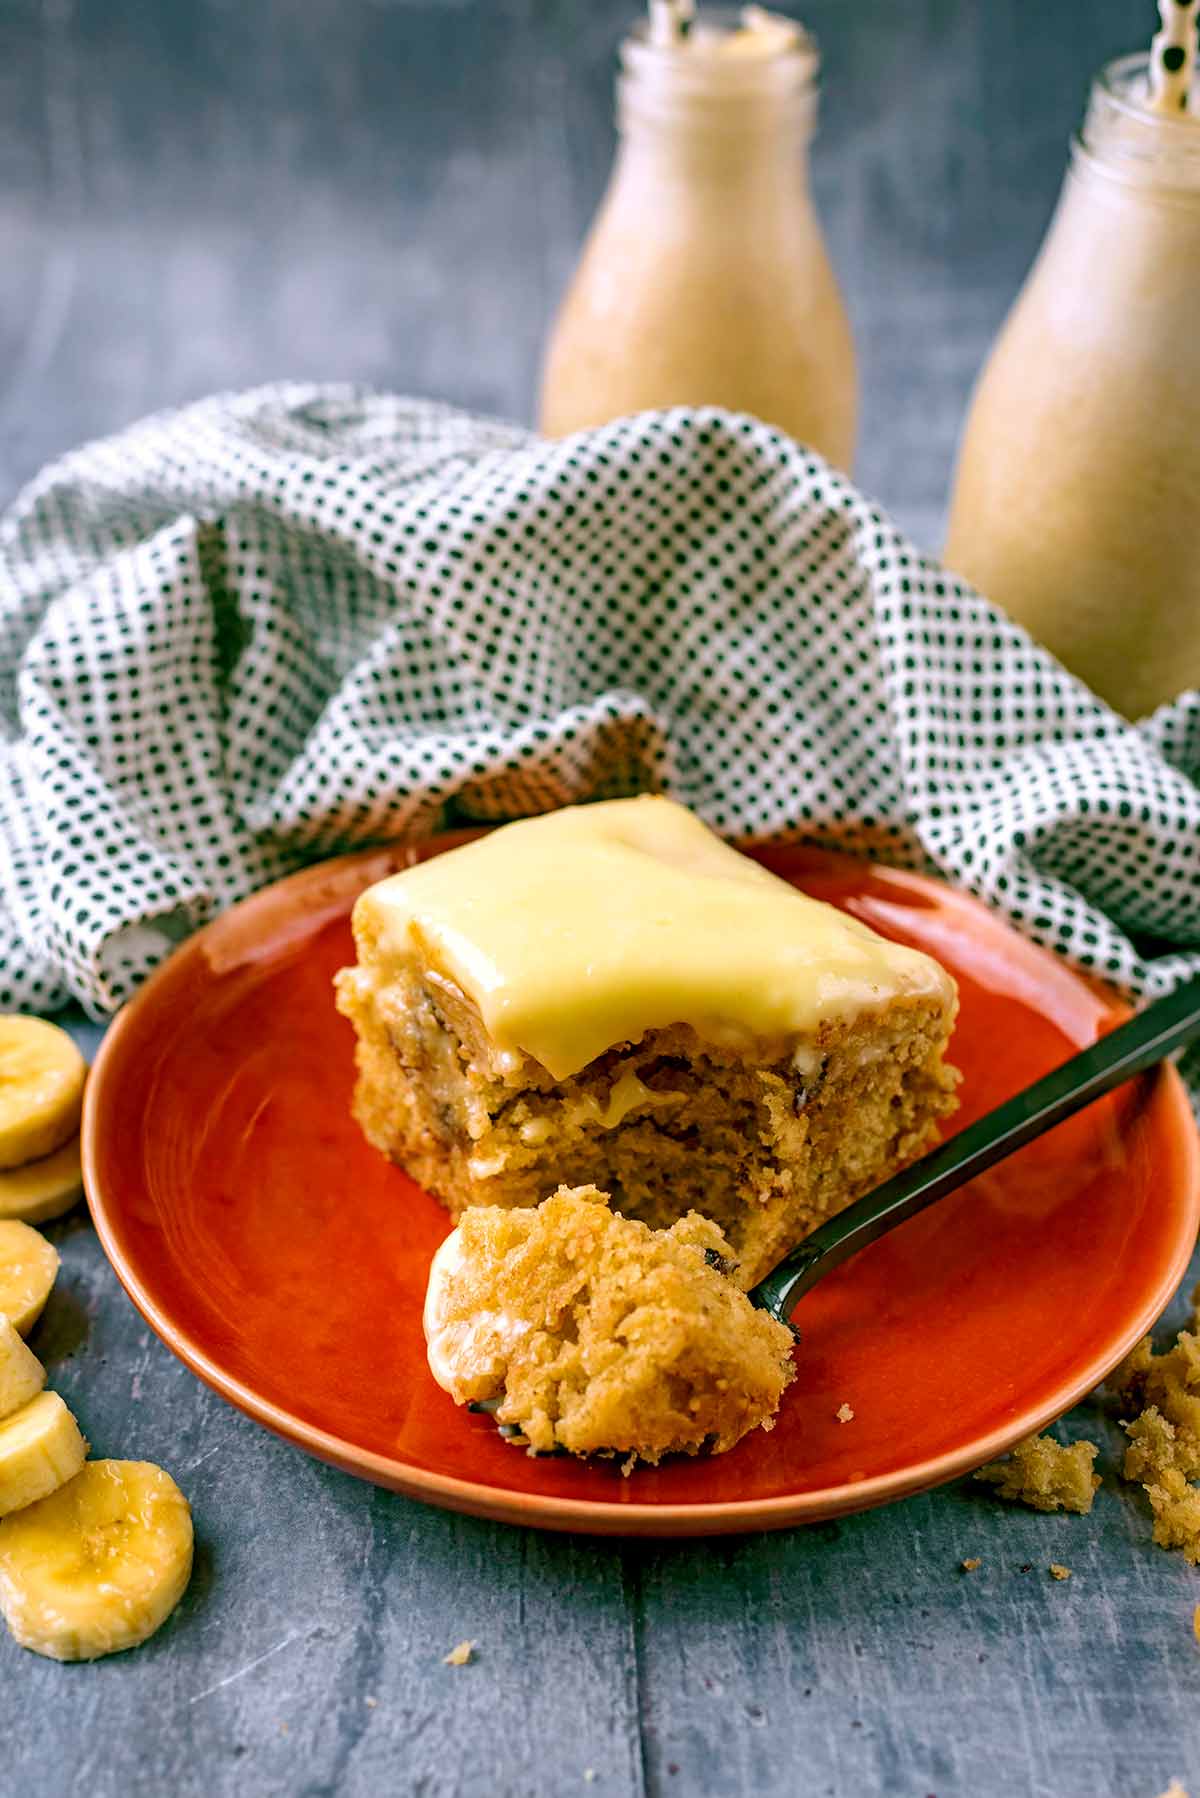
x,y
1132,1048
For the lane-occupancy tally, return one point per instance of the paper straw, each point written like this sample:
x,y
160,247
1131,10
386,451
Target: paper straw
x,y
1173,56
670,20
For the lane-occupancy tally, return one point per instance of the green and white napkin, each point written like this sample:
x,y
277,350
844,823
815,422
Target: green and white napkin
x,y
277,625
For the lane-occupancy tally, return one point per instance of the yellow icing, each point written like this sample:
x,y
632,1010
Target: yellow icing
x,y
626,1094
589,926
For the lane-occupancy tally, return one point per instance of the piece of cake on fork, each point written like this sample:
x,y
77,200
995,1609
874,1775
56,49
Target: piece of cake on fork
x,y
611,996
586,1331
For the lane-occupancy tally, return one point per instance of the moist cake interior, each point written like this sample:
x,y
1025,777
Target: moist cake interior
x,y
765,1145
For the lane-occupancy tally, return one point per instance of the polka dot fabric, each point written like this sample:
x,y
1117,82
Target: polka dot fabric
x,y
278,625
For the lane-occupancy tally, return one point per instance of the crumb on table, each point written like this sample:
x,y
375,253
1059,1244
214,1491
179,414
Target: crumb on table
x,y
970,1565
1043,1474
1174,1790
1158,1397
1176,1507
1154,1446
845,1414
460,1655
1058,1571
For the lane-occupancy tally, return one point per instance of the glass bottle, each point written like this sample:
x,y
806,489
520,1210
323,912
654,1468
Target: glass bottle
x,y
1074,499
705,278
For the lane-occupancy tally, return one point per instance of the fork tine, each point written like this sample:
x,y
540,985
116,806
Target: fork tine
x,y
511,1432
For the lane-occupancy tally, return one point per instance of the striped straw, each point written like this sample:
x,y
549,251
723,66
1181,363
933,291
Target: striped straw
x,y
670,20
1173,56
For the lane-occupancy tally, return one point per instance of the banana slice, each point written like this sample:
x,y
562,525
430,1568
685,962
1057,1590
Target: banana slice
x,y
41,1089
28,1266
43,1189
22,1375
40,1450
98,1566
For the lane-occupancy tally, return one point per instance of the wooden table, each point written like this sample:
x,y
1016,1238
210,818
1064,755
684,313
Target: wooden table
x,y
210,195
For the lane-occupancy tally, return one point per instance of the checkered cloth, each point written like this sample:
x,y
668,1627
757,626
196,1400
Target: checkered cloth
x,y
281,624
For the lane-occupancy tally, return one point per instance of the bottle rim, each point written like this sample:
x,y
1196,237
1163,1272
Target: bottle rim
x,y
789,72
1120,137
1125,82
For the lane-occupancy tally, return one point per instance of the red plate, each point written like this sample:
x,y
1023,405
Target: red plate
x,y
285,1261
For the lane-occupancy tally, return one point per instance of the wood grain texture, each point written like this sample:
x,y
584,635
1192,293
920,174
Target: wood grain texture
x,y
844,1659
214,194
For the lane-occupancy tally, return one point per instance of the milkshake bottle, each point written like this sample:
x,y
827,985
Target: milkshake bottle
x,y
705,278
1080,462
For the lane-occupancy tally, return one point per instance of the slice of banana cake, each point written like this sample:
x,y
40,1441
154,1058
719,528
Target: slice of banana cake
x,y
610,996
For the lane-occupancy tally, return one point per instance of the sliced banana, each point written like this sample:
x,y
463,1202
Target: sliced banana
x,y
40,1450
43,1189
98,1566
22,1375
28,1268
41,1089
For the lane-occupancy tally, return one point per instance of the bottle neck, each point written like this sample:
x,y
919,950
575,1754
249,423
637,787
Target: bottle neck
x,y
1123,140
695,108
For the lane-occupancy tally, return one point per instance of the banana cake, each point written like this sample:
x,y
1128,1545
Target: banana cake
x,y
611,996
599,1335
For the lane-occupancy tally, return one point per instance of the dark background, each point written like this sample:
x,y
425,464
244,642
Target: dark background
x,y
198,194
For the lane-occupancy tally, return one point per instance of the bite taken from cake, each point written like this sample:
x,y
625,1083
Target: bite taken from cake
x,y
610,996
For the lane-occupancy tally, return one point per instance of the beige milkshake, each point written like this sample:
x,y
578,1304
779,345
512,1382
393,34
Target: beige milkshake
x,y
1074,504
705,278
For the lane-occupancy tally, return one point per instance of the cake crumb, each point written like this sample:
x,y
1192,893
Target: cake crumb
x,y
1174,1790
1058,1571
370,1703
972,1564
1043,1474
1176,1508
1158,1398
459,1656
1196,1623
845,1414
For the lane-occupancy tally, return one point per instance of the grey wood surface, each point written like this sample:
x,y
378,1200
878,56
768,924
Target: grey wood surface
x,y
197,194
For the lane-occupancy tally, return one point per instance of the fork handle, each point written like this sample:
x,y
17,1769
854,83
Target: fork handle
x,y
1134,1046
